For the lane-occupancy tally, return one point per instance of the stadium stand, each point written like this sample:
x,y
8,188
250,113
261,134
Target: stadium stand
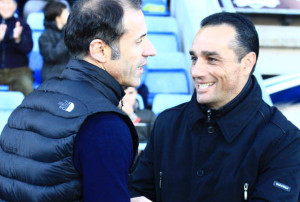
x,y
166,73
163,33
36,22
284,88
165,101
4,87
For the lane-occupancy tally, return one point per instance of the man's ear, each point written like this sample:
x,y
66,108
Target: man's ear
x,y
248,62
98,50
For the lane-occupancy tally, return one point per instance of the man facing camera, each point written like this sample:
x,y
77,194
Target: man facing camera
x,y
226,144
68,140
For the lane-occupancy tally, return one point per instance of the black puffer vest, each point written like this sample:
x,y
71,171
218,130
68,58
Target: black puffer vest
x,y
36,146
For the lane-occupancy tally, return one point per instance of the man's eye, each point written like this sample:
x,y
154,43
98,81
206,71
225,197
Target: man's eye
x,y
211,59
139,41
193,58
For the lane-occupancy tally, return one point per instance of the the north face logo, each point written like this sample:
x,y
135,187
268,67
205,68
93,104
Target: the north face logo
x,y
66,106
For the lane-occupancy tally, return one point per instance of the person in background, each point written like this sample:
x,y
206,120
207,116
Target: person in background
x,y
143,119
15,44
32,6
51,43
226,143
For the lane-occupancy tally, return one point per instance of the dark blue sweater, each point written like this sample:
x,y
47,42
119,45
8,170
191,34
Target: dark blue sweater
x,y
103,155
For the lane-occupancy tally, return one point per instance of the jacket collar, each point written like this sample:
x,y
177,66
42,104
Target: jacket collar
x,y
51,25
8,20
97,77
235,115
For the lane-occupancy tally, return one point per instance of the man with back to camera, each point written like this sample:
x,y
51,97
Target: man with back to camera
x,y
226,144
68,141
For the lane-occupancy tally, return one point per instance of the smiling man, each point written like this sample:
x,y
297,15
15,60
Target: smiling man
x,y
226,144
68,140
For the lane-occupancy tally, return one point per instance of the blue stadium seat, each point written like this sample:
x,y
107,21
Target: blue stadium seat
x,y
140,101
157,24
9,100
168,60
163,33
164,42
4,87
36,23
167,73
36,64
166,81
165,101
36,20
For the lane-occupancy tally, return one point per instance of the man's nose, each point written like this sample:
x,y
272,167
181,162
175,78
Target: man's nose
x,y
149,49
198,69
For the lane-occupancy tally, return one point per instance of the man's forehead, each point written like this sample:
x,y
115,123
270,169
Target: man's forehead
x,y
218,35
134,22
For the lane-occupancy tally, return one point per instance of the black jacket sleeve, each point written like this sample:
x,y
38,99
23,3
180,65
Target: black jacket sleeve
x,y
279,177
143,178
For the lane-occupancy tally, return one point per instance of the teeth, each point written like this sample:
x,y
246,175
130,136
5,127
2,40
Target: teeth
x,y
203,86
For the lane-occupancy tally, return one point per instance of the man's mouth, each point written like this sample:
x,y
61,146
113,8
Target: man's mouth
x,y
205,85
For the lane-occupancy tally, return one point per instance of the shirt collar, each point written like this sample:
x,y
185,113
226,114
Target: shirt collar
x,y
97,77
235,115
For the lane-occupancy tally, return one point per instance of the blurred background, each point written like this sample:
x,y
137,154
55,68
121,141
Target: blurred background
x,y
172,25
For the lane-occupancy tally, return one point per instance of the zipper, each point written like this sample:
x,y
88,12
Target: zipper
x,y
160,179
246,186
208,115
159,197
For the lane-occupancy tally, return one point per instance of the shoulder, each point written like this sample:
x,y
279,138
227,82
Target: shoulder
x,y
174,113
275,120
279,129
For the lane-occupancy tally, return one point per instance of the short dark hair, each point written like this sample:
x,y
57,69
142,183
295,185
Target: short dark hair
x,y
53,9
96,19
247,38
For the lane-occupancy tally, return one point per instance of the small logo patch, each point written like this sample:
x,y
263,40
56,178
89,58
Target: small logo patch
x,y
281,186
66,106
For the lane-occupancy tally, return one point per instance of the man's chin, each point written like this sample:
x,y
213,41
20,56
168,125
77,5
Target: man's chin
x,y
134,84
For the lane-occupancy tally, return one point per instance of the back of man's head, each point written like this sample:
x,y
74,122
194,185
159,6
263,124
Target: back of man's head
x,y
246,38
96,19
53,9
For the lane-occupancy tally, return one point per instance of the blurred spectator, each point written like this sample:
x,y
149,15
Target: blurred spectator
x,y
38,5
16,43
51,42
143,119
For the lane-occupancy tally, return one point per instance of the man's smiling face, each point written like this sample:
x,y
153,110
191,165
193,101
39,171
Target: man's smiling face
x,y
217,74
